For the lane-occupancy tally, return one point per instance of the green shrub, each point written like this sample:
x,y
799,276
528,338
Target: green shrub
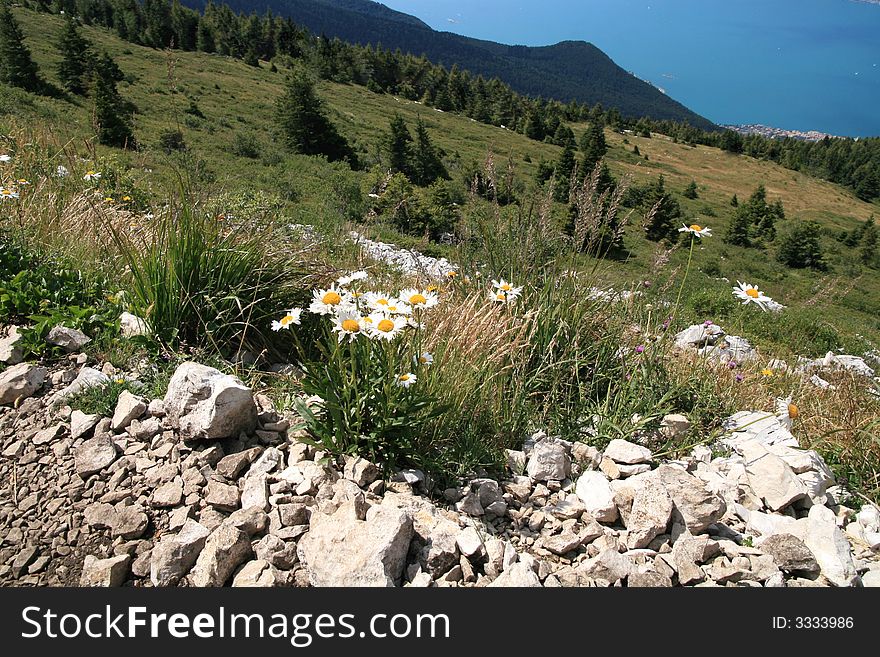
x,y
40,293
208,280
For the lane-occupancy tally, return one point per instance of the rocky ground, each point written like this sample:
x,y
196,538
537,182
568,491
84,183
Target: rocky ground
x,y
209,486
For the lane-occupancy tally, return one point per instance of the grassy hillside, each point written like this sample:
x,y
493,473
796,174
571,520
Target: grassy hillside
x,y
237,102
211,270
571,70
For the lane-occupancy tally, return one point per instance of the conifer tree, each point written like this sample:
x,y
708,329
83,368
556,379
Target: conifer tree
x,y
399,147
75,64
739,231
691,191
868,248
593,146
112,112
16,66
734,201
663,212
801,247
427,166
304,125
563,173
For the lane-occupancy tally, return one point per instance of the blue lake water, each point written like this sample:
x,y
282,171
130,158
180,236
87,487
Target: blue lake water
x,y
795,64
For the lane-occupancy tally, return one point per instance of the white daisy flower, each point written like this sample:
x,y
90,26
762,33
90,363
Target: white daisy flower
x,y
386,327
352,277
419,298
696,230
327,301
507,288
61,171
22,182
426,360
786,411
92,175
382,302
406,380
751,294
292,317
7,194
499,296
348,323
4,158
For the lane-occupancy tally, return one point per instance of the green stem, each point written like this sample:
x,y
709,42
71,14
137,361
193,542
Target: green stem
x,y
684,280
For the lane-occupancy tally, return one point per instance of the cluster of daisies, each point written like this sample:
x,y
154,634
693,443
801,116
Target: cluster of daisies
x,y
372,315
12,191
748,294
504,292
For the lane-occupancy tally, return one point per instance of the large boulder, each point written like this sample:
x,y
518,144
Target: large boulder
x,y
225,550
69,339
770,477
822,536
94,455
595,492
104,572
174,555
623,451
549,460
20,381
697,505
11,351
651,512
204,403
340,550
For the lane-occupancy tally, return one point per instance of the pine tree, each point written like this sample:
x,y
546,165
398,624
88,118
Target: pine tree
x,y
691,191
739,231
663,212
75,64
801,248
734,201
112,113
563,173
427,166
304,125
398,146
593,146
16,66
868,248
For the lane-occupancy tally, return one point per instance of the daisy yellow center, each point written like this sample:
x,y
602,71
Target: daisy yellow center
x,y
6,192
351,325
416,299
386,326
423,359
287,319
405,377
793,411
767,372
382,302
331,299
696,227
500,296
506,287
753,292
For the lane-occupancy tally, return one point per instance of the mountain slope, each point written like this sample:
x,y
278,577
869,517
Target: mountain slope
x,y
571,70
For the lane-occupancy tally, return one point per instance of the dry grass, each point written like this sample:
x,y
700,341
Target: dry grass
x,y
841,423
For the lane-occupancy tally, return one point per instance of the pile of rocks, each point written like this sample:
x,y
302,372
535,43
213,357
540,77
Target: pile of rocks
x,y
408,261
710,340
209,486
